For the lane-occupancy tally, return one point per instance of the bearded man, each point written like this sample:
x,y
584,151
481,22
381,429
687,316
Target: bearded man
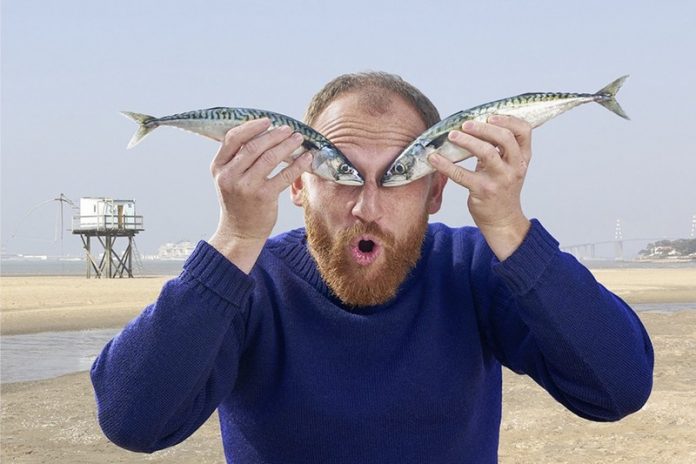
x,y
371,335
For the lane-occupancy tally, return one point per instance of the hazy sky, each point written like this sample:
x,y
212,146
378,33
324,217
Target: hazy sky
x,y
69,67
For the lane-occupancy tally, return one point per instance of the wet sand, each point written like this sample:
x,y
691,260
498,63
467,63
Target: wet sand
x,y
54,420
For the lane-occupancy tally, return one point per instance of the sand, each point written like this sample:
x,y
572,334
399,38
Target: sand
x,y
44,304
54,420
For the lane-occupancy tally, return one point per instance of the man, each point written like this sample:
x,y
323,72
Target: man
x,y
370,336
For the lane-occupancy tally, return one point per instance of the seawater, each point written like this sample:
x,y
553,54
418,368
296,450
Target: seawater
x,y
47,355
51,267
51,354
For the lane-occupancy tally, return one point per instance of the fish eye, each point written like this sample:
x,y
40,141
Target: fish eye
x,y
344,169
399,168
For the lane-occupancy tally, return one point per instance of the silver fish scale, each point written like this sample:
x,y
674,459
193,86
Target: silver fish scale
x,y
327,161
505,104
535,108
524,99
249,114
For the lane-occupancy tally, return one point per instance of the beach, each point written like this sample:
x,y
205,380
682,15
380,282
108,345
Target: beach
x,y
54,420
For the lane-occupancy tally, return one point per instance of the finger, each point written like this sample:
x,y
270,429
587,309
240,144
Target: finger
x,y
487,154
238,136
500,137
287,175
521,130
272,157
458,174
256,147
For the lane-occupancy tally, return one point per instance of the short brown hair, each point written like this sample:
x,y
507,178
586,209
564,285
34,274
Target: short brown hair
x,y
366,83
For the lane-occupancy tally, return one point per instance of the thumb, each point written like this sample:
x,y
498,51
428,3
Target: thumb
x,y
287,175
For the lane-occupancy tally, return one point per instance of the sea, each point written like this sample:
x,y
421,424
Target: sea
x,y
78,267
51,354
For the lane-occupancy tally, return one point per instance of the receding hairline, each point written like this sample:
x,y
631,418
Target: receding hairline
x,y
376,91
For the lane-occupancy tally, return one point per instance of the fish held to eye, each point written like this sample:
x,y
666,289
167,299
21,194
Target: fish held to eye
x,y
535,108
327,161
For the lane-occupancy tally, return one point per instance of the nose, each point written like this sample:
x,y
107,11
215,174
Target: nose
x,y
368,205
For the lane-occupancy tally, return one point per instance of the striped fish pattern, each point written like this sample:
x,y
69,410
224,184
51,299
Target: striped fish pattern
x,y
328,161
535,108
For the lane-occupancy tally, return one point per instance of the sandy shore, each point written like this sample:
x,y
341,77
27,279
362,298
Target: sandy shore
x,y
54,420
43,304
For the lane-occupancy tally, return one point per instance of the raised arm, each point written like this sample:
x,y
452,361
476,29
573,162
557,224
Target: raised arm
x,y
166,372
547,316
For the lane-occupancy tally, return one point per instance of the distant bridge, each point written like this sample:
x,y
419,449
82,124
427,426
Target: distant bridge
x,y
590,250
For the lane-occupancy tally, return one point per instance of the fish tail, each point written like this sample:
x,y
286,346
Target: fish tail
x,y
609,97
145,128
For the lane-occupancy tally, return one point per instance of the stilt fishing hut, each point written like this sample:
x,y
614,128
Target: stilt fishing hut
x,y
107,219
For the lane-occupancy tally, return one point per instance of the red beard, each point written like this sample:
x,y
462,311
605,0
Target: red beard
x,y
355,284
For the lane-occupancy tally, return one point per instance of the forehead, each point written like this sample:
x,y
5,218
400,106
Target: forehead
x,y
372,125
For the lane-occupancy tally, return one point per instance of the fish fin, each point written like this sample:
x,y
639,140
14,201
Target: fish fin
x,y
145,127
610,91
309,145
439,140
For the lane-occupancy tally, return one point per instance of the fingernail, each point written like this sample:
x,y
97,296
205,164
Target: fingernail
x,y
468,125
434,158
284,129
297,137
495,118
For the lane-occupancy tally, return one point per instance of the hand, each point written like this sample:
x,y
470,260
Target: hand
x,y
248,197
502,147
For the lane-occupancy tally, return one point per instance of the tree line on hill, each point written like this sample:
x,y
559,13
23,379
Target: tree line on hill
x,y
680,248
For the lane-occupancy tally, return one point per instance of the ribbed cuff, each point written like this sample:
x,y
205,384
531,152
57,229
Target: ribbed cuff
x,y
219,274
524,267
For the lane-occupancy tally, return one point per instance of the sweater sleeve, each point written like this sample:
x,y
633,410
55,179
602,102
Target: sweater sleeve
x,y
165,373
553,321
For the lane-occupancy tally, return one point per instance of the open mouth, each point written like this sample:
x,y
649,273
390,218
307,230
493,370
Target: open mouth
x,y
365,250
366,246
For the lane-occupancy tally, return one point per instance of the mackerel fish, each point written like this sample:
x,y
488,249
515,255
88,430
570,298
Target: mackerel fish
x,y
327,161
535,108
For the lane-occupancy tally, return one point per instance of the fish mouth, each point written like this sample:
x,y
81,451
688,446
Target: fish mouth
x,y
353,181
395,181
365,250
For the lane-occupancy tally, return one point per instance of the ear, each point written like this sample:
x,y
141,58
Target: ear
x,y
436,188
296,191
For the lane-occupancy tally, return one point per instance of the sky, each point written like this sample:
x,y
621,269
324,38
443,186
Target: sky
x,y
70,67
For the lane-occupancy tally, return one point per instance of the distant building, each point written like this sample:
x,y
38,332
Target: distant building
x,y
105,220
175,251
677,250
107,214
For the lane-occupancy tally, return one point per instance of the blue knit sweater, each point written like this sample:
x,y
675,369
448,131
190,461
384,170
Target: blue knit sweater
x,y
299,378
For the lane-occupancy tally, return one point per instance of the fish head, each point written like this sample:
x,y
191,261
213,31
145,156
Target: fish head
x,y
329,163
410,165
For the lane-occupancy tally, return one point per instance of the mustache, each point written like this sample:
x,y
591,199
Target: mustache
x,y
385,238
